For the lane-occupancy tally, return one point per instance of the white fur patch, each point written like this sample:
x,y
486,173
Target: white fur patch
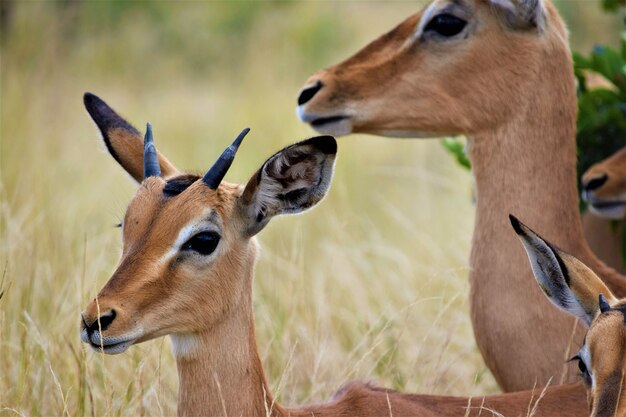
x,y
184,345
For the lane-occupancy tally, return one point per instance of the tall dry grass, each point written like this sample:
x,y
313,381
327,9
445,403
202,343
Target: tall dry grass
x,y
370,285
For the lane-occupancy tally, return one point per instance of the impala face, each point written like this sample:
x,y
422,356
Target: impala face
x,y
574,288
449,69
188,241
604,186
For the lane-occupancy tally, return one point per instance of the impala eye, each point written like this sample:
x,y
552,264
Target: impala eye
x,y
204,243
446,25
582,367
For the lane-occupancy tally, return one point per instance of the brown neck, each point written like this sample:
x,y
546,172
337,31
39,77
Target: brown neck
x,y
527,167
220,372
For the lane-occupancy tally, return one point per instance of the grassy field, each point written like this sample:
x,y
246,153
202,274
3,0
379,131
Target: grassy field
x,y
370,285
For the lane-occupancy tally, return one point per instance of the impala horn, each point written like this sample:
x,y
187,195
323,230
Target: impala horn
x,y
216,173
604,305
151,166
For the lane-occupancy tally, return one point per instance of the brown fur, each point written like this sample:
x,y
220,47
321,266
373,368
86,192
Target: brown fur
x,y
207,309
512,91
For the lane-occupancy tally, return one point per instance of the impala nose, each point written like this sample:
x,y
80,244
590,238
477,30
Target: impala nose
x,y
309,92
105,321
595,182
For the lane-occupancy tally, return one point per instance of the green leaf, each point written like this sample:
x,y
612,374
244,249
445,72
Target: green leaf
x,y
456,148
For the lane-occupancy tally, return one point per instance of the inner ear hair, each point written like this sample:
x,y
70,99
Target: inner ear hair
x,y
521,14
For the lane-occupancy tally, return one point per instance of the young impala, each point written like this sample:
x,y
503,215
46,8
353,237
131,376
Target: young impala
x,y
500,72
186,271
572,286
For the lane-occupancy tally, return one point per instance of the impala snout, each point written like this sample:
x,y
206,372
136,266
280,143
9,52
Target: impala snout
x,y
604,196
322,108
98,333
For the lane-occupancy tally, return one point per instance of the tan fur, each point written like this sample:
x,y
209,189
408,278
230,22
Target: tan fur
x,y
130,153
206,306
512,91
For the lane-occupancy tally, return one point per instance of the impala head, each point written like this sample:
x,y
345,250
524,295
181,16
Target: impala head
x,y
456,67
188,241
573,287
604,186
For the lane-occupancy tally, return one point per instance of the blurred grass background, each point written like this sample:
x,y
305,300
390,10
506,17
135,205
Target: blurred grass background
x,y
370,285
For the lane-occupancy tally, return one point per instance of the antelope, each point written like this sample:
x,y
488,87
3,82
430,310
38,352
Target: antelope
x,y
499,72
604,186
573,287
186,271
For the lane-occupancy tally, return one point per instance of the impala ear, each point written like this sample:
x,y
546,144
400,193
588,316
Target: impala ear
x,y
291,181
521,14
567,282
123,141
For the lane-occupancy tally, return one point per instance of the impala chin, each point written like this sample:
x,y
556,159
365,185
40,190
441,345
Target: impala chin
x,y
111,345
336,125
610,208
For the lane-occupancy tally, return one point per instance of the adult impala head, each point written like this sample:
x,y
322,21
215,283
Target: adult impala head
x,y
188,248
572,286
604,186
456,67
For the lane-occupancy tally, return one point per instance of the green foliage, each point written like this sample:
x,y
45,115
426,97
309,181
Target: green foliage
x,y
457,148
613,5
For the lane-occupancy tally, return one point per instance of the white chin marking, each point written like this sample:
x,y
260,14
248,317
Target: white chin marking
x,y
184,345
339,128
614,213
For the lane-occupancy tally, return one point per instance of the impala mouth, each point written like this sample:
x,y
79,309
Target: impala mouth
x,y
108,345
612,209
327,120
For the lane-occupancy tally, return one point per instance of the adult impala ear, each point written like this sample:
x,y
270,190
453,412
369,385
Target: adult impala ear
x,y
123,141
567,282
521,14
291,181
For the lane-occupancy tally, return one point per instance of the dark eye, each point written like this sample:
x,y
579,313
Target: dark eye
x,y
446,25
584,372
204,243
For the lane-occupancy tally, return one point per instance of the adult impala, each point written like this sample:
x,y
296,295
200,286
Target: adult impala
x,y
186,271
500,72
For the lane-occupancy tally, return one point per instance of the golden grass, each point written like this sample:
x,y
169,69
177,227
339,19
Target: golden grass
x,y
370,285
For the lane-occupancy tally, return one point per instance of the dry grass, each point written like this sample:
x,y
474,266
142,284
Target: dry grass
x,y
370,285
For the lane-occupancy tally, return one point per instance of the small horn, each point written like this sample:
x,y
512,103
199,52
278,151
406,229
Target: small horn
x,y
151,166
216,173
604,305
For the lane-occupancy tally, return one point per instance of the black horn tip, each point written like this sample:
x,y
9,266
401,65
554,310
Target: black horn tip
x,y
216,173
148,138
604,304
151,166
242,135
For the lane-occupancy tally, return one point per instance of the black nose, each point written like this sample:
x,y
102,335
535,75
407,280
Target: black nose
x,y
596,182
105,321
308,93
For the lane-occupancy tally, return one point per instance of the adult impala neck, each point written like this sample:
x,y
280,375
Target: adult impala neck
x,y
220,372
528,166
